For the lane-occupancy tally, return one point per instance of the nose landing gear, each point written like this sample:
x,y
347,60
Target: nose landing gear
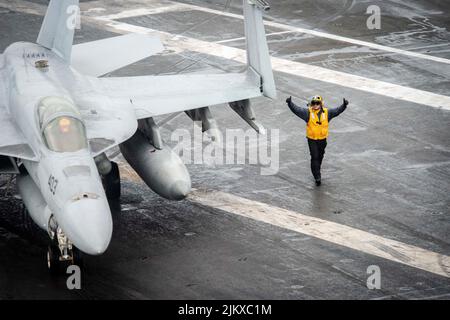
x,y
61,253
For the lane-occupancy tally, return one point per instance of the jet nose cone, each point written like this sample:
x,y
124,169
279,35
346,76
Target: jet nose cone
x,y
88,224
180,189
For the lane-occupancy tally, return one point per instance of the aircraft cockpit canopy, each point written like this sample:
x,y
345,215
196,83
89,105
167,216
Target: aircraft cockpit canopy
x,y
61,125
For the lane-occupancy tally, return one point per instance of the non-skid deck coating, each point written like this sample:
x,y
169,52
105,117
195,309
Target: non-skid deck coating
x,y
244,235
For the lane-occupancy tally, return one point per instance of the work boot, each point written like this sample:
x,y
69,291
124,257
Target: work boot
x,y
318,179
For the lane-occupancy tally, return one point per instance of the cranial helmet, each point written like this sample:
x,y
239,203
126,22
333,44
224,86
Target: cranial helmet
x,y
316,100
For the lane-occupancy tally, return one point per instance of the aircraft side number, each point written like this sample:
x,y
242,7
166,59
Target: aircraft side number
x,y
52,184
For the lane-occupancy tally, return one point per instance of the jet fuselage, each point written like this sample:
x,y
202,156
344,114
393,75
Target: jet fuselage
x,y
39,84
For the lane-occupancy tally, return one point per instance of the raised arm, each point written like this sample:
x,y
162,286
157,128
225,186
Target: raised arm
x,y
299,111
332,113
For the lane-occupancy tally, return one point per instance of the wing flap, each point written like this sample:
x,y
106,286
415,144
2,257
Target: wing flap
x,y
100,57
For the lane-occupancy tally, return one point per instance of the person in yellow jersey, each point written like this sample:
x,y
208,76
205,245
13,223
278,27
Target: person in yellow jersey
x,y
317,118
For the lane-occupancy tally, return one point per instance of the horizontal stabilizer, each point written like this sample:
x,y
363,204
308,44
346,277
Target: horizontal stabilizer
x,y
100,57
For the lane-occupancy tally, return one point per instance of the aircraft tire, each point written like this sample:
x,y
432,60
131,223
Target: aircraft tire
x,y
77,257
53,262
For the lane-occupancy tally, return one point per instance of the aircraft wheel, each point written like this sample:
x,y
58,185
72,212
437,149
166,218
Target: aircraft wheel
x,y
53,262
77,257
111,182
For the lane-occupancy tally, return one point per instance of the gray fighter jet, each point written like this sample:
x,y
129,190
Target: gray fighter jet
x,y
59,117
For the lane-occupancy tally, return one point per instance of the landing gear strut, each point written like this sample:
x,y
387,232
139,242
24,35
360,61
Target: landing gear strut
x,y
61,253
111,182
109,172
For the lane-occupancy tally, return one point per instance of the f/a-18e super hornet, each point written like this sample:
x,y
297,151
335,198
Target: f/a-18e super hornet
x,y
59,117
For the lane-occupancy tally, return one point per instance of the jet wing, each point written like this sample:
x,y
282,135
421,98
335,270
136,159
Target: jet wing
x,y
158,95
12,141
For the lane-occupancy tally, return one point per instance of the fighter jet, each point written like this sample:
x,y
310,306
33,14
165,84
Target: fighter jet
x,y
59,117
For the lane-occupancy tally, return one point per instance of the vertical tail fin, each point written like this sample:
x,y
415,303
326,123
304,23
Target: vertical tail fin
x,y
58,27
258,56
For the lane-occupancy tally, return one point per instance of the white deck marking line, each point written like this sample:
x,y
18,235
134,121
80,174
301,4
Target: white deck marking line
x,y
289,67
143,11
326,230
243,38
184,6
294,68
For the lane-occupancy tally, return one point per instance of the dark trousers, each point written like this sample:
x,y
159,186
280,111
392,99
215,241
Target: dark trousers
x,y
317,151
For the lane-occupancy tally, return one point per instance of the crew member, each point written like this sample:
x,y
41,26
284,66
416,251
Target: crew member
x,y
317,118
